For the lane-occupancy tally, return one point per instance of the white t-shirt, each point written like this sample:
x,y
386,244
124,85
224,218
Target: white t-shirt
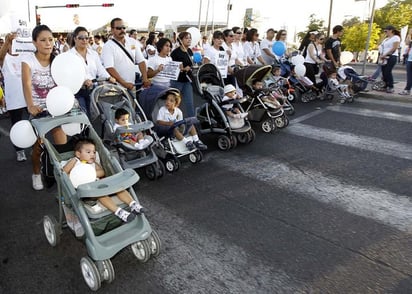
x,y
154,63
218,58
314,49
94,68
165,115
252,50
267,44
232,55
13,87
387,45
238,47
114,56
41,79
227,106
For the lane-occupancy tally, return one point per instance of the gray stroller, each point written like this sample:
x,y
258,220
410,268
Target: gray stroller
x,y
103,233
105,100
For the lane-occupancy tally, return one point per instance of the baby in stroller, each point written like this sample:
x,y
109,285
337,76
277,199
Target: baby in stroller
x,y
269,98
85,153
135,140
231,110
170,122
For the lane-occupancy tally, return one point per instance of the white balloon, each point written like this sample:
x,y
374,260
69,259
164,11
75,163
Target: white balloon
x,y
22,134
68,70
300,70
71,129
298,59
195,34
59,100
346,57
82,174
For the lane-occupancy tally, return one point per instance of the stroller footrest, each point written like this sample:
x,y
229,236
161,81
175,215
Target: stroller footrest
x,y
109,185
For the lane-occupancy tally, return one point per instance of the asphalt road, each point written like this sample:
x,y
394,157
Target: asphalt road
x,y
323,206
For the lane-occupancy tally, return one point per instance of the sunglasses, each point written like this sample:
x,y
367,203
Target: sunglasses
x,y
120,28
239,33
82,38
283,34
230,35
322,39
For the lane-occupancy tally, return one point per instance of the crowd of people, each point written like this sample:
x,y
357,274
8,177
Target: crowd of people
x,y
130,60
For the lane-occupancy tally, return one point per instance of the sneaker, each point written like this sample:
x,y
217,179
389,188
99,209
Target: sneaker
x,y
390,90
405,92
137,208
37,182
21,156
243,114
190,145
124,215
200,145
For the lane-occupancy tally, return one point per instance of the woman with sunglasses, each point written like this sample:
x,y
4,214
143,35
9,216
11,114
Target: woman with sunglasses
x,y
314,59
228,37
238,45
252,48
92,64
389,55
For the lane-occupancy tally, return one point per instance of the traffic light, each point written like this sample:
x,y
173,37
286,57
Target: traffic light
x,y
72,5
107,5
38,19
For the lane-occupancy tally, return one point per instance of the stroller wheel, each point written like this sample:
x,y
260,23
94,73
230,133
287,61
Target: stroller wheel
x,y
52,230
90,273
342,100
280,122
267,125
154,243
224,143
160,168
291,97
329,96
243,138
172,164
351,99
199,155
106,270
233,141
151,171
305,98
192,157
252,135
141,251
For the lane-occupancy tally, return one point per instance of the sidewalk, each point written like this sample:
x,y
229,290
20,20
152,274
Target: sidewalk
x,y
398,87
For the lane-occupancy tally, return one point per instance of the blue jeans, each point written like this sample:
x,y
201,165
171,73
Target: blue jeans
x,y
408,75
187,96
387,71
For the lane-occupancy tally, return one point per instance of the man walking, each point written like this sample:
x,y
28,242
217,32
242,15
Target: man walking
x,y
333,46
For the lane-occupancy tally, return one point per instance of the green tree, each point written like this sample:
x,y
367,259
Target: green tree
x,y
315,24
351,22
355,36
397,13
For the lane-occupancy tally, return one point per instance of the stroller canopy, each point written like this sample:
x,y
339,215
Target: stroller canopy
x,y
246,75
207,74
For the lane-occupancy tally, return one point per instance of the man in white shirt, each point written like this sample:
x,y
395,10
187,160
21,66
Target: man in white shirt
x,y
266,47
121,65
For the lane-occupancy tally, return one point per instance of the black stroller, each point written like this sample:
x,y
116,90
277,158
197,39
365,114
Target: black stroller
x,y
105,100
270,118
211,115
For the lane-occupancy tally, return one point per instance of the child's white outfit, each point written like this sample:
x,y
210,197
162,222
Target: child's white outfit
x,y
229,107
130,138
334,85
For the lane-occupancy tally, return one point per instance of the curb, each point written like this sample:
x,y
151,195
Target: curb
x,y
385,96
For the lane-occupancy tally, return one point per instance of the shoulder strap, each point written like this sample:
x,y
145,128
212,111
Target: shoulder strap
x,y
124,50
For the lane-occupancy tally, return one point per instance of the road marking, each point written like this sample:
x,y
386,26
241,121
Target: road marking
x,y
307,116
385,102
373,144
372,113
369,202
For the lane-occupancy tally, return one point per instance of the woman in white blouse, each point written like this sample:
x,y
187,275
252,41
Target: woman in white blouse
x,y
252,48
389,55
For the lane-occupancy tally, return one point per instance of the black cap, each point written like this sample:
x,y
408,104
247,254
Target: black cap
x,y
390,28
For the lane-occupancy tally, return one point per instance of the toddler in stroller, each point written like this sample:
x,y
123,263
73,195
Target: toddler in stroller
x,y
104,234
334,86
126,133
357,82
232,110
85,153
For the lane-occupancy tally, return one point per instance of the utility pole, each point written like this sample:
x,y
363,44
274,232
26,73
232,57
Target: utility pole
x,y
200,14
229,8
368,39
330,16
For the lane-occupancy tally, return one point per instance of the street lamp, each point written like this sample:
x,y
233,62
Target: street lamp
x,y
368,39
330,15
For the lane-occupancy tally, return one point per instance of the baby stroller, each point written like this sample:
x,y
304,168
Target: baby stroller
x,y
334,86
105,100
212,116
282,89
270,118
103,233
170,150
357,82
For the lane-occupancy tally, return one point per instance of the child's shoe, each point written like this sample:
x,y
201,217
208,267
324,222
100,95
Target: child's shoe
x,y
124,215
136,208
200,145
190,145
243,114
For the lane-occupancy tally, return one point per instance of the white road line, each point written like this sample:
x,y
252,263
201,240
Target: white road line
x,y
369,202
372,113
307,116
385,102
4,132
373,144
